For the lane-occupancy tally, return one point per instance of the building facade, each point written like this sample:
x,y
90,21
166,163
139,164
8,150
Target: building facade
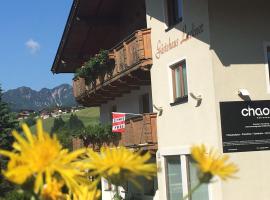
x,y
204,53
119,27
194,63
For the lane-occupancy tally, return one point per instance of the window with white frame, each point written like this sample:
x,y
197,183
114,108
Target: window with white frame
x,y
181,177
173,12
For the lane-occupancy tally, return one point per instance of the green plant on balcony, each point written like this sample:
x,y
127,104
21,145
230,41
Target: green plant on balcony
x,y
98,135
97,65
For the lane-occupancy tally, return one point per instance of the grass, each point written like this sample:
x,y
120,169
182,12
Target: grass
x,y
88,116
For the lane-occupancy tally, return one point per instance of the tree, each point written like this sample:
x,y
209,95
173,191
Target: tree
x,y
58,124
8,122
31,119
74,123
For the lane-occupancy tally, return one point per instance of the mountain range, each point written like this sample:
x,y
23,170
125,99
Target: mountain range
x,y
27,98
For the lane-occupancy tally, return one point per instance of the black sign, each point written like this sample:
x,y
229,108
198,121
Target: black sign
x,y
245,125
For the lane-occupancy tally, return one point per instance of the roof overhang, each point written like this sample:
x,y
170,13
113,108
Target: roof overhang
x,y
86,32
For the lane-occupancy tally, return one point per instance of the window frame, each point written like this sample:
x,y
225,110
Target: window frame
x,y
266,46
183,153
184,97
168,14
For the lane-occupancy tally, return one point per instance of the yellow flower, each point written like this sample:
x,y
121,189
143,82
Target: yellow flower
x,y
40,156
52,191
212,164
87,194
119,165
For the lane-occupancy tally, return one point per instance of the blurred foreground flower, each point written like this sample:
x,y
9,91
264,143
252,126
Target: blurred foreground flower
x,y
212,164
52,191
88,193
40,157
119,165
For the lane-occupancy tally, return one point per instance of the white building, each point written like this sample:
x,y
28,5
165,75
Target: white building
x,y
192,61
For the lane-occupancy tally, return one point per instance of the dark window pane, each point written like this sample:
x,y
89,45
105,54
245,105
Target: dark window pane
x,y
179,8
174,177
179,80
174,11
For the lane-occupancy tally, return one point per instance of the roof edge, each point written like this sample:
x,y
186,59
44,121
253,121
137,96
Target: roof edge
x,y
72,13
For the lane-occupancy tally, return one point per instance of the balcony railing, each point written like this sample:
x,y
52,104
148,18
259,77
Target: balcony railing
x,y
132,58
140,132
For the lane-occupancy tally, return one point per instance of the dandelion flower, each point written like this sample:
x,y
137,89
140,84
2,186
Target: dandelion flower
x,y
52,191
119,165
40,156
87,194
212,164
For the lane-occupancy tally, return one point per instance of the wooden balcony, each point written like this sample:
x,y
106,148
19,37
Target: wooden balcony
x,y
132,62
140,133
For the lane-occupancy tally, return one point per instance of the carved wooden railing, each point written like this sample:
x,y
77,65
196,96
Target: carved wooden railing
x,y
140,132
132,53
78,87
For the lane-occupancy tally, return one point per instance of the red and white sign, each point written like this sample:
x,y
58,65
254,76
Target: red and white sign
x,y
118,122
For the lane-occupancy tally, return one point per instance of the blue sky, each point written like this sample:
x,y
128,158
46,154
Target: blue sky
x,y
30,33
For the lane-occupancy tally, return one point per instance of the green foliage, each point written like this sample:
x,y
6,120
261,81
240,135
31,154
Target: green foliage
x,y
8,122
99,134
58,123
16,195
65,130
65,138
98,64
74,123
31,119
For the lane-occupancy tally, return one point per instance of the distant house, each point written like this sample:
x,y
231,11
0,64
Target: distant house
x,y
24,114
44,114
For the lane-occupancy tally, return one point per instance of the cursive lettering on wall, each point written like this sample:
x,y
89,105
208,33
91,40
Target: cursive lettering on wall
x,y
164,47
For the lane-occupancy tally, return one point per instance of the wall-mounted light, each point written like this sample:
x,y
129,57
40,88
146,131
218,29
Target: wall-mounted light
x,y
244,94
198,98
159,109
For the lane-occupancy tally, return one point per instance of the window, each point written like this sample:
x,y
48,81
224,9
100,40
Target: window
x,y
177,183
179,82
144,103
174,12
202,192
174,177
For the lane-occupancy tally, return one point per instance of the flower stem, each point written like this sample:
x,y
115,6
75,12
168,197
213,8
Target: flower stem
x,y
117,195
192,191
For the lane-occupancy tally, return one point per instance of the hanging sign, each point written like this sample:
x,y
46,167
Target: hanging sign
x,y
245,125
118,122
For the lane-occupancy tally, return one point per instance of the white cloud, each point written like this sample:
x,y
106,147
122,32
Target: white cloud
x,y
33,46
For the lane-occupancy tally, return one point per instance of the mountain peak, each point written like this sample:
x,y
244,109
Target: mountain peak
x,y
26,98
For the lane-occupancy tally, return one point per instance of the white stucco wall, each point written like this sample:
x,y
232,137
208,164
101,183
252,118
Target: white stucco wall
x,y
183,124
227,56
238,34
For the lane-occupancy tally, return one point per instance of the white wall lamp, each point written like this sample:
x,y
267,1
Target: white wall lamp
x,y
198,98
159,109
244,94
